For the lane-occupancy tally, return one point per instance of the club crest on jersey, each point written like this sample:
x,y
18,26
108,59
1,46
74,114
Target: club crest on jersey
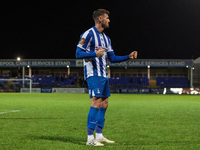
x,y
82,41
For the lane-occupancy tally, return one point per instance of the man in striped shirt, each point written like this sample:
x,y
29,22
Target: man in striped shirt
x,y
95,48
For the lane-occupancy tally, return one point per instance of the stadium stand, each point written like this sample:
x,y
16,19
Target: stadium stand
x,y
49,81
140,73
172,82
129,81
54,80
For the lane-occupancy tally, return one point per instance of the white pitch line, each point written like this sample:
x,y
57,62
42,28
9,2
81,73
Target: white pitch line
x,y
10,111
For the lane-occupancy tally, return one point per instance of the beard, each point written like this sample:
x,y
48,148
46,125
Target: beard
x,y
105,25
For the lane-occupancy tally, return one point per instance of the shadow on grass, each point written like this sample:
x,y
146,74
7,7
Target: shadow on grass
x,y
79,141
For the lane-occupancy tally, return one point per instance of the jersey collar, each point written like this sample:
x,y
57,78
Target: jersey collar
x,y
96,30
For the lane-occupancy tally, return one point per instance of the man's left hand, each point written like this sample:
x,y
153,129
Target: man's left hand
x,y
133,55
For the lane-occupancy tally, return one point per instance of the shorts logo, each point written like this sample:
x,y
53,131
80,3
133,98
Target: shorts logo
x,y
98,91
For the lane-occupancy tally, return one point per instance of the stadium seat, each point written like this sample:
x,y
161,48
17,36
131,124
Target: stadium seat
x,y
129,81
172,81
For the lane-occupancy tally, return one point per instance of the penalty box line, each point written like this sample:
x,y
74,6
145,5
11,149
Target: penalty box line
x,y
10,111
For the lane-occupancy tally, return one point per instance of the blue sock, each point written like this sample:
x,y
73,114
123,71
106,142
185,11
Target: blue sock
x,y
100,118
98,129
90,131
91,120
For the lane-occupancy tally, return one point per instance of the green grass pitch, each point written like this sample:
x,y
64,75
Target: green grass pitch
x,y
58,121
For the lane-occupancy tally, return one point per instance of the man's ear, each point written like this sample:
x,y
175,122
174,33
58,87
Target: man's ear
x,y
100,19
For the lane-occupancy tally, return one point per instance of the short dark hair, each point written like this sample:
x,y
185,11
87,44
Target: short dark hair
x,y
99,12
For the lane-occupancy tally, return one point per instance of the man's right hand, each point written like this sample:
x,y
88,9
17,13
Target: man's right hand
x,y
100,52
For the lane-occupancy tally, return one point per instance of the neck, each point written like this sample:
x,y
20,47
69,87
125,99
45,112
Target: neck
x,y
99,27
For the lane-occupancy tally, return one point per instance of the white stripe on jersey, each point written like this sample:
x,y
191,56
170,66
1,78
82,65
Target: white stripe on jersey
x,y
85,36
104,64
88,46
98,66
103,43
108,44
89,68
96,39
106,39
96,58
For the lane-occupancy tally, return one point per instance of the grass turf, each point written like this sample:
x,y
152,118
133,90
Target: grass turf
x,y
58,121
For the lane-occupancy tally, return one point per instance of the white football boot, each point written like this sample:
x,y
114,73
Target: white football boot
x,y
94,142
104,140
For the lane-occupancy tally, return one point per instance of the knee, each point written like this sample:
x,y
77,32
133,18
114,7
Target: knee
x,y
104,103
96,103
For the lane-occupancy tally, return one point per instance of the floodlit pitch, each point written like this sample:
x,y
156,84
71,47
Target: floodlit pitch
x,y
57,121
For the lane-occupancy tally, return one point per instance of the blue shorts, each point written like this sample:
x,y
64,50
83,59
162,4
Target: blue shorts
x,y
98,86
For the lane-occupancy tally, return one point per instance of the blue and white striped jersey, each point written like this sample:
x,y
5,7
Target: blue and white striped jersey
x,y
89,42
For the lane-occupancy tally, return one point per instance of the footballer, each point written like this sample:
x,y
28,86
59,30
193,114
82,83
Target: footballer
x,y
95,48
